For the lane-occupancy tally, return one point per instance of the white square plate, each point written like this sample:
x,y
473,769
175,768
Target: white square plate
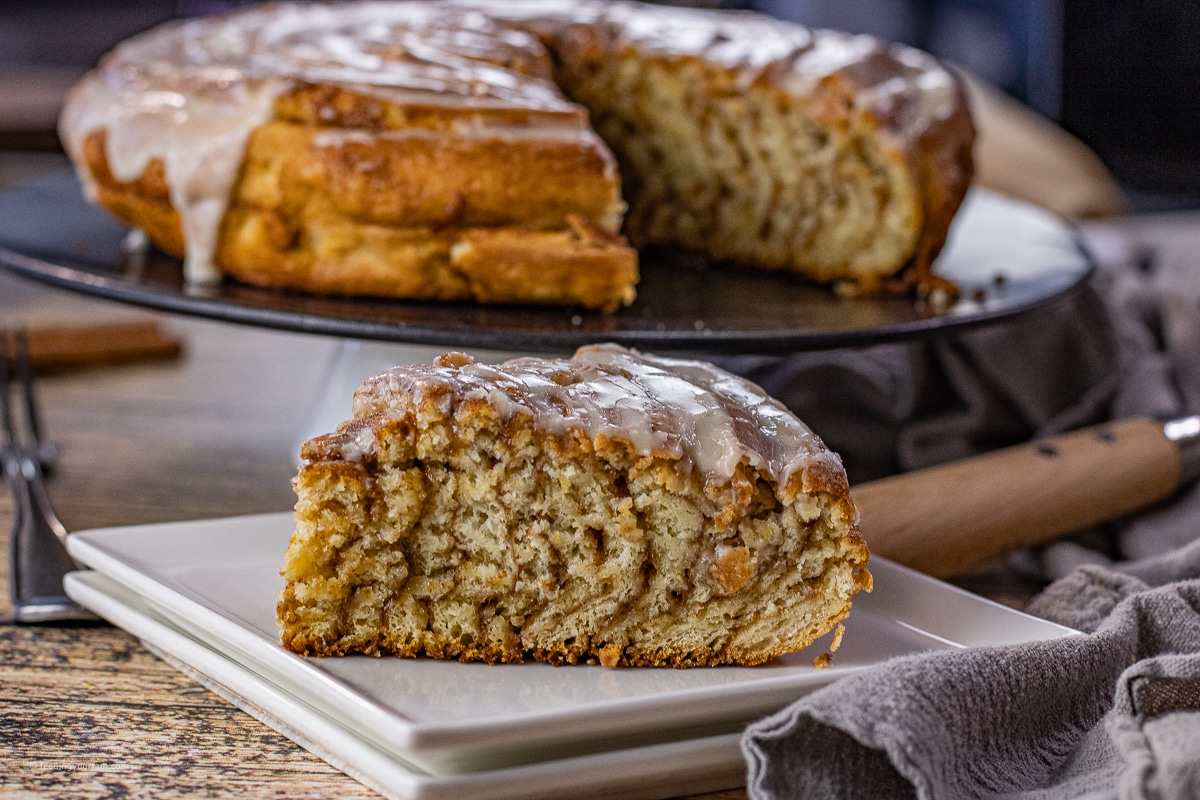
x,y
216,582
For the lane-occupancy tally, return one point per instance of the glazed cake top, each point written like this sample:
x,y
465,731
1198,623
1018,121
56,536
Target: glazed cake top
x,y
482,54
706,419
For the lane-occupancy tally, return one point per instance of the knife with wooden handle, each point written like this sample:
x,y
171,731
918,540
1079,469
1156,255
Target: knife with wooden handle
x,y
946,519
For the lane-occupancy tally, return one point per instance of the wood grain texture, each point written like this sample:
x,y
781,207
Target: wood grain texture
x,y
119,341
946,519
85,711
89,713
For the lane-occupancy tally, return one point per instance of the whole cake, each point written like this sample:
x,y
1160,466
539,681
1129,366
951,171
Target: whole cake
x,y
613,507
443,150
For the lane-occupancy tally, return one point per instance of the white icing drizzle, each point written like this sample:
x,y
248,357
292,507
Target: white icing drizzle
x,y
691,411
360,445
200,139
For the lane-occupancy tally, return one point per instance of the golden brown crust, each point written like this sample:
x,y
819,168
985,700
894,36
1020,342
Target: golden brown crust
x,y
388,218
143,203
943,157
414,180
326,105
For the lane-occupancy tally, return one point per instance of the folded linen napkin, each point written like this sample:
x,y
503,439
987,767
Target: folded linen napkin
x,y
1111,713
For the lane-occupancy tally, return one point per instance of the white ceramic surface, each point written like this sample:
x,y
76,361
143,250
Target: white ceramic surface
x,y
218,579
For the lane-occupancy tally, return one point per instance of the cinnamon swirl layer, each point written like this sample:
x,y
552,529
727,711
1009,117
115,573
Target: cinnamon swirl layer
x,y
613,507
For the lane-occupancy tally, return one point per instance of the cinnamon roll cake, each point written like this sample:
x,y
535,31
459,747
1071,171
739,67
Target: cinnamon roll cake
x,y
614,507
510,152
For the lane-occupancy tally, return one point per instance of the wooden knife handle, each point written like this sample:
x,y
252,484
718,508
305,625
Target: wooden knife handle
x,y
64,346
946,519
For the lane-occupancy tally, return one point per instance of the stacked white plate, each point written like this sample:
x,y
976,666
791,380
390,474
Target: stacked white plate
x,y
201,595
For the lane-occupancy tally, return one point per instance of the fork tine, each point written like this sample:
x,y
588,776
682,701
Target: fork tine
x,y
6,415
25,377
44,450
37,553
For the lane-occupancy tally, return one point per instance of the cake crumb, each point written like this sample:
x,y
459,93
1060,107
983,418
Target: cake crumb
x,y
838,633
610,656
822,661
845,289
732,568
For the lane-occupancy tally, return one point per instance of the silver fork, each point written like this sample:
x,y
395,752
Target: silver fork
x,y
37,550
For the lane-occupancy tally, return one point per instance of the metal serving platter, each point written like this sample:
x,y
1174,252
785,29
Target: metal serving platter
x,y
1007,257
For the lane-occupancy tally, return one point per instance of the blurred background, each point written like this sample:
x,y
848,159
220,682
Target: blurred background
x,y
1123,76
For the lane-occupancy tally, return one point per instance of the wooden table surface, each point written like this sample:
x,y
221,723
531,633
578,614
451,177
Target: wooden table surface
x,y
86,711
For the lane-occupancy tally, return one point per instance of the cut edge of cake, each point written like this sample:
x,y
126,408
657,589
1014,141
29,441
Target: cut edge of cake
x,y
459,523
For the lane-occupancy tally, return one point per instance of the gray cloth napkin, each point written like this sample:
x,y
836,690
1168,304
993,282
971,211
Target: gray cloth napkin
x,y
1111,713
1114,713
896,407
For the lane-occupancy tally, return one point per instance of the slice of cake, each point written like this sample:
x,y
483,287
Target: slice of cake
x,y
614,507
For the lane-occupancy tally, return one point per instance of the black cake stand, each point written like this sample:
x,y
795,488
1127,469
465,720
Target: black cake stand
x,y
1006,256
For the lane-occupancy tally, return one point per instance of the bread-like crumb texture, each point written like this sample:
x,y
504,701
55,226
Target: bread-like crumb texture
x,y
753,175
449,529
